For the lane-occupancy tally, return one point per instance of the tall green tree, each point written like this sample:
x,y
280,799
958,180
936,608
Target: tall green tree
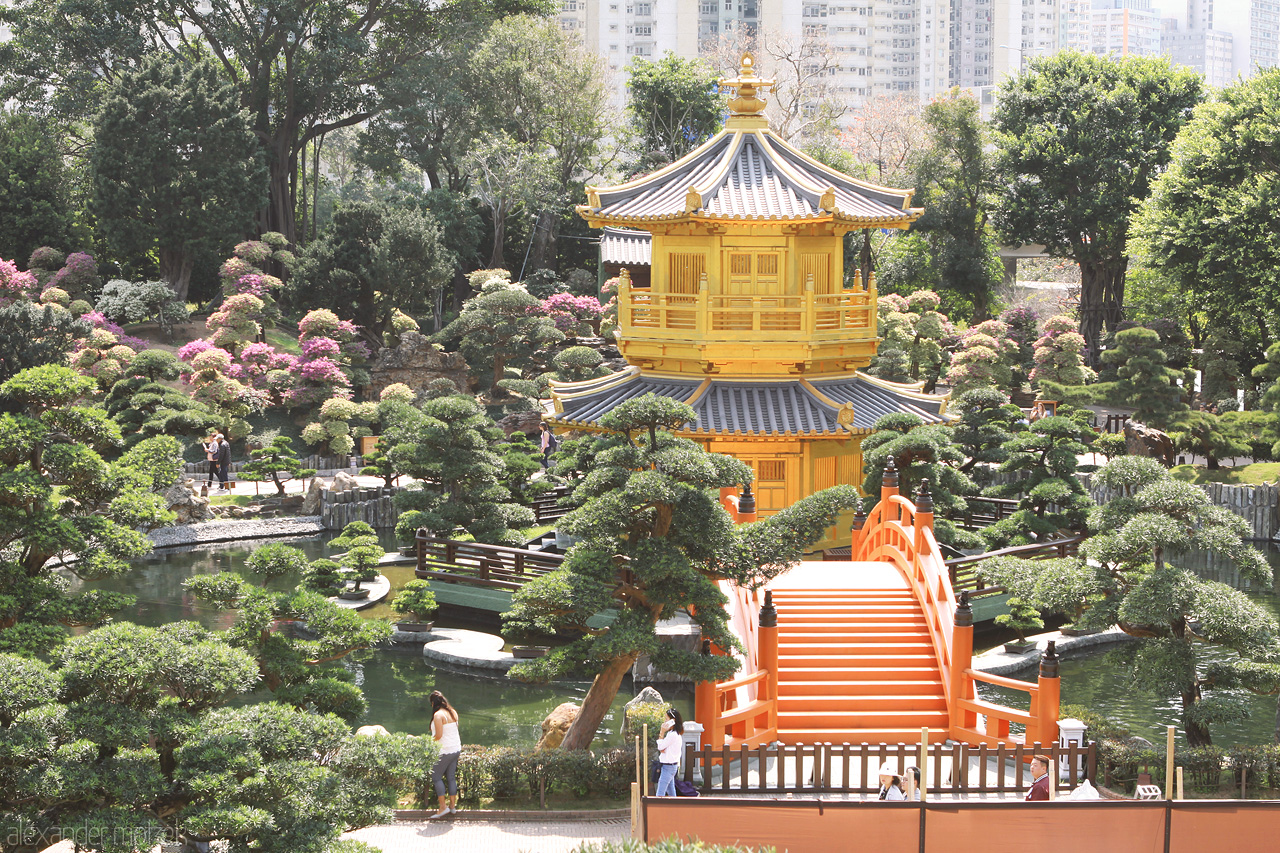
x,y
955,180
1127,574
301,68
176,168
1208,220
1081,137
673,106
987,422
1050,495
33,197
654,540
1143,381
449,445
374,260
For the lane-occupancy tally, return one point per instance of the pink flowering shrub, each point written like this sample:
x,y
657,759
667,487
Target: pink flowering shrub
x,y
78,276
574,314
320,347
98,321
102,357
1059,354
330,352
14,284
985,359
237,322
255,252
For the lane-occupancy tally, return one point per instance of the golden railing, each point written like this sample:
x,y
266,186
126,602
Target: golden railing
x,y
763,316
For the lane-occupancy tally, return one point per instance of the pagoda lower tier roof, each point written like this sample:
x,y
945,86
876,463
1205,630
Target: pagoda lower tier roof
x,y
837,406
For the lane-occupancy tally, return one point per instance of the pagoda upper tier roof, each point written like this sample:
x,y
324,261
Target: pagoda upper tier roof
x,y
834,406
748,174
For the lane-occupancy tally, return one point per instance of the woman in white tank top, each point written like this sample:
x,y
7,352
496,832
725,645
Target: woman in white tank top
x,y
444,776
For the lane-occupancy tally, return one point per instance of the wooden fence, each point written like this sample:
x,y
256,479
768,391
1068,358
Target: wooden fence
x,y
492,566
845,768
966,572
547,507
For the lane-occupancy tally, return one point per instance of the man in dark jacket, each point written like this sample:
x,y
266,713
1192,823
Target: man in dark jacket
x,y
1040,778
224,461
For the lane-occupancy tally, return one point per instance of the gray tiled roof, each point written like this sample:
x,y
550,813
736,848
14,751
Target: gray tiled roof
x,y
748,173
782,407
625,247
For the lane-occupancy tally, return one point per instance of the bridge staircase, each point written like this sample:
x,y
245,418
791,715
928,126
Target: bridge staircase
x,y
870,650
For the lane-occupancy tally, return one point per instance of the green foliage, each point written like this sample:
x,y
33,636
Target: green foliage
x,y
363,553
1110,444
575,364
415,599
378,464
1080,139
672,107
1204,434
1144,382
152,463
277,462
987,421
1124,576
33,197
1051,496
447,445
505,774
921,452
501,327
276,560
1021,618
653,540
914,335
32,335
955,176
142,192
985,357
376,259
135,302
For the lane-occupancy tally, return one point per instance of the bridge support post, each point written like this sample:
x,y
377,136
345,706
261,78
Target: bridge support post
x,y
1050,694
961,660
704,710
924,513
768,651
746,505
889,489
855,532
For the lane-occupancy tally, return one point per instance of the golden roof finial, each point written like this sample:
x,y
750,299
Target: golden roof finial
x,y
745,86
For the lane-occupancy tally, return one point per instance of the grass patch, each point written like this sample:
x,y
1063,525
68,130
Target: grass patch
x,y
1245,475
230,500
284,342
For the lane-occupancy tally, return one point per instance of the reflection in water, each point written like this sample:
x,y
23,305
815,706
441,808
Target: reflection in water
x,y
396,682
1101,680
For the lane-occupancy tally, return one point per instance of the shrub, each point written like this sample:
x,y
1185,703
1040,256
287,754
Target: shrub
x,y
505,773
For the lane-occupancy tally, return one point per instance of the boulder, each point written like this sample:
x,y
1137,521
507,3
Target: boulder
x,y
185,501
343,481
632,723
648,696
311,502
370,731
525,422
556,725
416,362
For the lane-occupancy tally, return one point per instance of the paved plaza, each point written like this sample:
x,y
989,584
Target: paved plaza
x,y
491,836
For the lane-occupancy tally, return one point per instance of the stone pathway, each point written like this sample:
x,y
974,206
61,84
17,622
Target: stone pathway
x,y
491,836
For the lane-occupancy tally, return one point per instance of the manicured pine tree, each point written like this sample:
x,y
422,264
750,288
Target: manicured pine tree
x,y
277,462
1144,382
1051,496
987,421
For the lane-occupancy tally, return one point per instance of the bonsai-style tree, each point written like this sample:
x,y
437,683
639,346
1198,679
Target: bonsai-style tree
x,y
378,464
984,358
913,332
1110,444
1205,434
1144,382
415,599
1020,619
447,445
1059,357
921,451
1126,575
362,555
1044,460
502,326
654,541
276,459
325,577
987,421
300,670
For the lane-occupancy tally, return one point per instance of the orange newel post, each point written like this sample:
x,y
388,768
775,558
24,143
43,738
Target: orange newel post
x,y
924,513
768,651
889,489
855,532
729,500
961,660
1050,694
704,710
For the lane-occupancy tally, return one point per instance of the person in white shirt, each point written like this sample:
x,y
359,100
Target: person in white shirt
x,y
912,784
890,783
670,742
444,729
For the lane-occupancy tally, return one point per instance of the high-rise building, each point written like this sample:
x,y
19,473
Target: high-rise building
x,y
1207,51
1126,28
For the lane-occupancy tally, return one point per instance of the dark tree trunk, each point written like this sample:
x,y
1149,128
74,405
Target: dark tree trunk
x,y
175,269
1101,302
597,702
496,255
544,241
1197,733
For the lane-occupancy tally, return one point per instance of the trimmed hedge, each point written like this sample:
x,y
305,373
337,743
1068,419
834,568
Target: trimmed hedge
x,y
505,773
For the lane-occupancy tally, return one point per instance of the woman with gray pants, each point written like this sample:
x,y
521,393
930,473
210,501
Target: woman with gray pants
x,y
444,776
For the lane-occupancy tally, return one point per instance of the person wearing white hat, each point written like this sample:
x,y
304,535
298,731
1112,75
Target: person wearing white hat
x,y
890,783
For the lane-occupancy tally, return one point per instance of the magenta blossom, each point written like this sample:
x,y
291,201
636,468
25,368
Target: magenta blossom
x,y
192,349
320,348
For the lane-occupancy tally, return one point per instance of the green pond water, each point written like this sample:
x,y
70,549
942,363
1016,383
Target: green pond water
x,y
396,681
1102,679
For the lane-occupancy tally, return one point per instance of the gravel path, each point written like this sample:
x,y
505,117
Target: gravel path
x,y
231,530
491,836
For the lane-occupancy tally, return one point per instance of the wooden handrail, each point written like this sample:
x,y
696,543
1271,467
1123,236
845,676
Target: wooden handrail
x,y
1001,681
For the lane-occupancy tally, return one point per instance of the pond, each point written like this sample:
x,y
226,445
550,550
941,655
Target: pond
x,y
1101,680
396,682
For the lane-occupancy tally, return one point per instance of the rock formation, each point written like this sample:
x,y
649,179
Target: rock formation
x,y
416,362
184,499
556,725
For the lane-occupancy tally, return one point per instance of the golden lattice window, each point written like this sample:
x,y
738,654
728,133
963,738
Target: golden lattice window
x,y
773,469
816,264
687,269
739,264
824,473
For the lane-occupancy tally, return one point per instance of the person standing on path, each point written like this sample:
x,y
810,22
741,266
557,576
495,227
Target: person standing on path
x,y
669,746
444,730
210,447
224,462
547,443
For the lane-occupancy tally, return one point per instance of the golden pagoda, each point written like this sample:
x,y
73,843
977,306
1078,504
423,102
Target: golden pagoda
x,y
746,316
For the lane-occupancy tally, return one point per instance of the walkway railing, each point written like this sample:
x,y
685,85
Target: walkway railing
x,y
966,572
474,564
949,769
900,532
